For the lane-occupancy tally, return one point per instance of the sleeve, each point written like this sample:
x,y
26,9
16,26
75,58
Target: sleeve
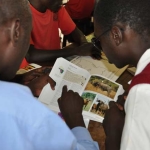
x,y
136,132
24,63
31,41
65,22
55,135
84,139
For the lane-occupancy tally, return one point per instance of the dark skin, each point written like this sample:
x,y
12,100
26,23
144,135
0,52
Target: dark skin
x,y
113,132
36,79
122,45
71,104
80,47
42,56
113,123
38,83
124,48
14,41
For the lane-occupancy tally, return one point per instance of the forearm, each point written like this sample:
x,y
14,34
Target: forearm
x,y
39,56
112,143
78,36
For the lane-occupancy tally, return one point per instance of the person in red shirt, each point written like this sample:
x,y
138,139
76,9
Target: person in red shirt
x,y
79,9
48,16
81,12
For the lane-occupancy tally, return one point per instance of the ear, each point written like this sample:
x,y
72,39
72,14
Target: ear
x,y
117,35
15,31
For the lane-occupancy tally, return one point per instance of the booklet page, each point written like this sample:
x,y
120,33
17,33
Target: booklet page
x,y
64,73
97,94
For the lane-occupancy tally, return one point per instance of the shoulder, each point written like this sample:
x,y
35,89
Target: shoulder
x,y
25,119
10,87
138,98
16,98
62,11
18,101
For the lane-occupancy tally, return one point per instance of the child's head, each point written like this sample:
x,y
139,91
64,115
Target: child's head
x,y
126,28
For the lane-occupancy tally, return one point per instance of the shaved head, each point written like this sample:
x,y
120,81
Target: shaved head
x,y
10,9
15,29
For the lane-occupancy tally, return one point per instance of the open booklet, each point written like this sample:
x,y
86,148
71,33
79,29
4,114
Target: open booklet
x,y
95,89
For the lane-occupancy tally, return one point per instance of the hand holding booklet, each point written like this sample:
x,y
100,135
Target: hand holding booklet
x,y
95,89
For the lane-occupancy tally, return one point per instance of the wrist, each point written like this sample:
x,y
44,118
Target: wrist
x,y
74,120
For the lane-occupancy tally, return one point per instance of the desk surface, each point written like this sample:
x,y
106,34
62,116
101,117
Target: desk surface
x,y
95,128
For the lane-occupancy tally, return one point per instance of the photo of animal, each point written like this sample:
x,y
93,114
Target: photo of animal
x,y
99,108
88,100
102,86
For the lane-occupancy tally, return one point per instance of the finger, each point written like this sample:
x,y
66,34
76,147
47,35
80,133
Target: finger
x,y
42,69
52,83
31,77
64,90
125,97
38,69
120,107
47,70
37,74
121,99
97,57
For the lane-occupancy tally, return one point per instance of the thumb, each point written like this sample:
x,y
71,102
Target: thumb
x,y
52,83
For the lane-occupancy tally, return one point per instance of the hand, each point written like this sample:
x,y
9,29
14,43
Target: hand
x,y
113,125
38,83
87,49
121,100
33,74
71,104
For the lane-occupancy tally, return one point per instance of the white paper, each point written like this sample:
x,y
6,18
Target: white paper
x,y
96,90
101,67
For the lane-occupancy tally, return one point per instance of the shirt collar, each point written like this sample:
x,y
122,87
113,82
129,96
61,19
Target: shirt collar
x,y
143,62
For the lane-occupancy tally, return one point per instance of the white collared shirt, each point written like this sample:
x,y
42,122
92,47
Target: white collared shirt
x,y
136,132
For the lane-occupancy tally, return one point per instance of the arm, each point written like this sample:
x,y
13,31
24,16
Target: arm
x,y
71,105
83,47
40,55
78,36
113,125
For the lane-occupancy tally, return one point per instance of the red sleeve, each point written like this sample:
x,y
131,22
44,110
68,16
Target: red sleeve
x,y
65,23
24,63
31,41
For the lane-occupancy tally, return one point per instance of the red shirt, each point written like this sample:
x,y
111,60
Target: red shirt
x,y
79,9
45,33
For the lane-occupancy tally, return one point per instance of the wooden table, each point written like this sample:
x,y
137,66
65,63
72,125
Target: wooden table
x,y
95,128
